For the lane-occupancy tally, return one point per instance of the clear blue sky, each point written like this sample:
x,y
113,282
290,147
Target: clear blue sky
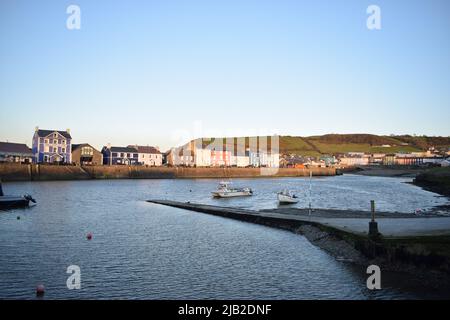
x,y
147,72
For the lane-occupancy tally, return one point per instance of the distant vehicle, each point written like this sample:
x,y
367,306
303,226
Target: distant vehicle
x,y
10,202
287,197
224,191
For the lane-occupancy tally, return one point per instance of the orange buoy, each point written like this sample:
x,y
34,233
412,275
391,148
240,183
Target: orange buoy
x,y
40,290
89,236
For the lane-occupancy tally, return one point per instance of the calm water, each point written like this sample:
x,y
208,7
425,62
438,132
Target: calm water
x,y
145,251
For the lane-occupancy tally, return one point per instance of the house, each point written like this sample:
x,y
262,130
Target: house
x,y
85,154
377,158
389,160
263,159
220,158
52,146
436,160
15,152
241,159
354,159
181,156
149,156
202,157
407,159
329,160
120,155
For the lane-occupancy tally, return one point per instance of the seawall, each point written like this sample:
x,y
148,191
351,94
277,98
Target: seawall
x,y
40,172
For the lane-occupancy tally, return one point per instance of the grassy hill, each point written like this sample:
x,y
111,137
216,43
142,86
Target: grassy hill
x,y
342,143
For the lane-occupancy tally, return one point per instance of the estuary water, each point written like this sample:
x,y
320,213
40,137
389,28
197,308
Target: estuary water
x,y
141,250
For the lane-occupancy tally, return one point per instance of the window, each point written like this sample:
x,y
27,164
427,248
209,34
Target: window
x,y
64,141
122,154
41,140
63,150
55,141
46,141
128,155
114,154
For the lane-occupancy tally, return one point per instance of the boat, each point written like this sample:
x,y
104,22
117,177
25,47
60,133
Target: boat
x,y
287,197
10,202
224,191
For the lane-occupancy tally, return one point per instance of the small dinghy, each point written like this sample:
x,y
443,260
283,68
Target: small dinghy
x,y
10,202
287,197
224,191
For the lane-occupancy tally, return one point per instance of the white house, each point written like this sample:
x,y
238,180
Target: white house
x,y
149,156
202,157
240,161
263,159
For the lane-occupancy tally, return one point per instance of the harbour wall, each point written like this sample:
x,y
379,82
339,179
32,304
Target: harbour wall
x,y
409,254
41,172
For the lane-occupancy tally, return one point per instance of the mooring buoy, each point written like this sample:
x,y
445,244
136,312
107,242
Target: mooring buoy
x,y
40,290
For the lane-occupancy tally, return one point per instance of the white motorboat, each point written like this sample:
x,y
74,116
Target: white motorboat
x,y
224,191
287,197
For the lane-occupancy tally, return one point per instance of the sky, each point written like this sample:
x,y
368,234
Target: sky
x,y
162,72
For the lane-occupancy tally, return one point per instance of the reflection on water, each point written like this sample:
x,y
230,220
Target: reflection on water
x,y
145,251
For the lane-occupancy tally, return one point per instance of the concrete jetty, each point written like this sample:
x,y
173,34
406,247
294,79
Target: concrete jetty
x,y
405,239
391,225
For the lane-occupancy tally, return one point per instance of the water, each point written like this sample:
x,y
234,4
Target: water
x,y
145,251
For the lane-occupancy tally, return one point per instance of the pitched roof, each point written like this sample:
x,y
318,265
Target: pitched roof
x,y
9,147
78,145
146,149
122,149
44,133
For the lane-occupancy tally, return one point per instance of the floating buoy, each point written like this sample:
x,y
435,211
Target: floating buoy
x,y
40,290
89,236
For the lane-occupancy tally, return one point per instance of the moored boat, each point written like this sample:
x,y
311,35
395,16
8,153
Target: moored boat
x,y
287,197
224,191
10,202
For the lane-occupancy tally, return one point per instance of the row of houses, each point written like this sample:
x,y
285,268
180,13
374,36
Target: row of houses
x,y
205,157
55,146
408,159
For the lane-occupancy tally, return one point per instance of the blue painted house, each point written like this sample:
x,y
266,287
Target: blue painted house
x,y
52,146
120,155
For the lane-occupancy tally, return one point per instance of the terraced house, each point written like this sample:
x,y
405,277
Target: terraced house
x,y
52,146
120,155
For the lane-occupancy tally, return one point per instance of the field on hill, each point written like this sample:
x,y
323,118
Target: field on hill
x,y
342,143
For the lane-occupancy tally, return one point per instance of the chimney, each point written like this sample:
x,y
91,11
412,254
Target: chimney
x,y
36,129
68,130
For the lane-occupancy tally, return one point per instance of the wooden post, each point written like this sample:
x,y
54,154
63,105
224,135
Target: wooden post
x,y
372,209
373,225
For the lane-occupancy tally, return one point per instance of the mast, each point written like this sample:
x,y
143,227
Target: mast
x,y
310,177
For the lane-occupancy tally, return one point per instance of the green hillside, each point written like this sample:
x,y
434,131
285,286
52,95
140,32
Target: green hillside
x,y
343,143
